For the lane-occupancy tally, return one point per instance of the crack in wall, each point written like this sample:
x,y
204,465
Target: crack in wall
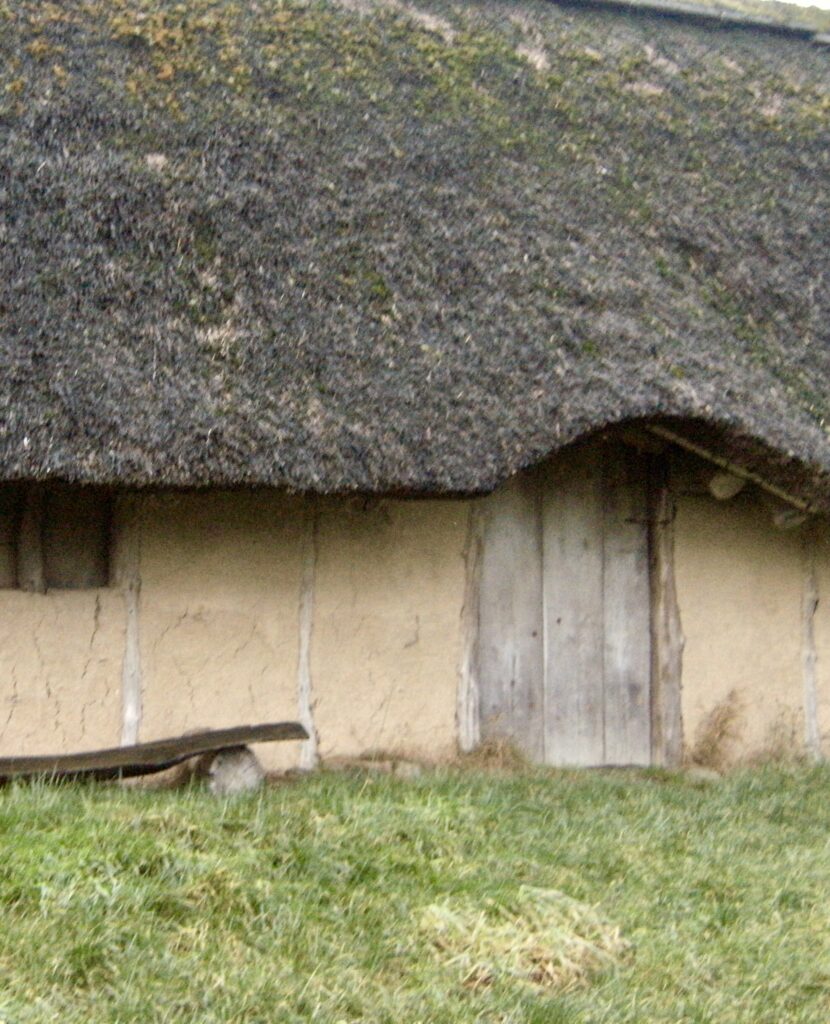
x,y
376,725
12,701
416,637
245,643
668,641
58,692
41,672
186,614
96,625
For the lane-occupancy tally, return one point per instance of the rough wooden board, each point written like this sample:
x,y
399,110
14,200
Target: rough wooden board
x,y
626,610
666,632
145,758
573,602
510,654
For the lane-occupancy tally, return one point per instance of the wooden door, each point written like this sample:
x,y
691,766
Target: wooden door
x,y
597,609
564,642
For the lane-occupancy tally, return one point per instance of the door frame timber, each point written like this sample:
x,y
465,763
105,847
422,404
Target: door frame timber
x,y
667,639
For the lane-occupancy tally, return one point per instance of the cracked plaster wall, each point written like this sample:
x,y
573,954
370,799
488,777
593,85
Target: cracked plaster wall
x,y
221,587
386,641
60,670
218,613
740,585
219,628
221,582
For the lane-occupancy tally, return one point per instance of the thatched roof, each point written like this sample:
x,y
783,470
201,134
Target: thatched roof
x,y
378,246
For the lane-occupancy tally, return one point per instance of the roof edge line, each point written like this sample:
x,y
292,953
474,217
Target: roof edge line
x,y
677,9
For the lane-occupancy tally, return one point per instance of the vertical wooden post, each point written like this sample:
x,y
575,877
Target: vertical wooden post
x,y
308,753
666,632
126,573
467,707
31,573
809,657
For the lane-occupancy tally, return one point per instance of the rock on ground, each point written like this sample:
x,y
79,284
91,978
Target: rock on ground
x,y
231,771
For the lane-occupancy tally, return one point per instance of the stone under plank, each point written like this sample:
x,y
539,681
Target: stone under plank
x,y
147,758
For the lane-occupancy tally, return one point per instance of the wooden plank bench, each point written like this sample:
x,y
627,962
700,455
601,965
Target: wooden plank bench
x,y
146,758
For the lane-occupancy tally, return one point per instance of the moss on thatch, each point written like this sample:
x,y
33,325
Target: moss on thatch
x,y
383,246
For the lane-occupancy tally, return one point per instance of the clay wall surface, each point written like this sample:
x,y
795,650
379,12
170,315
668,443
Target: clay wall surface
x,y
348,615
220,584
741,591
386,641
60,670
248,607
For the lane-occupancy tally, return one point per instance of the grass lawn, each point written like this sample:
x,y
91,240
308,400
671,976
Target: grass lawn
x,y
311,901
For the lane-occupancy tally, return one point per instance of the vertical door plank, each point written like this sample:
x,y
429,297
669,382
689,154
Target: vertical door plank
x,y
509,672
627,608
572,517
666,629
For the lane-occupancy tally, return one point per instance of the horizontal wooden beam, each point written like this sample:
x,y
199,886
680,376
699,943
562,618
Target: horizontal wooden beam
x,y
729,467
147,758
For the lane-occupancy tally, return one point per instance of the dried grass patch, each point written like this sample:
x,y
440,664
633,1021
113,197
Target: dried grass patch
x,y
494,755
544,938
717,733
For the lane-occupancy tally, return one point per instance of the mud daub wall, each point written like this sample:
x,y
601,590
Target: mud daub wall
x,y
755,612
218,584
224,608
